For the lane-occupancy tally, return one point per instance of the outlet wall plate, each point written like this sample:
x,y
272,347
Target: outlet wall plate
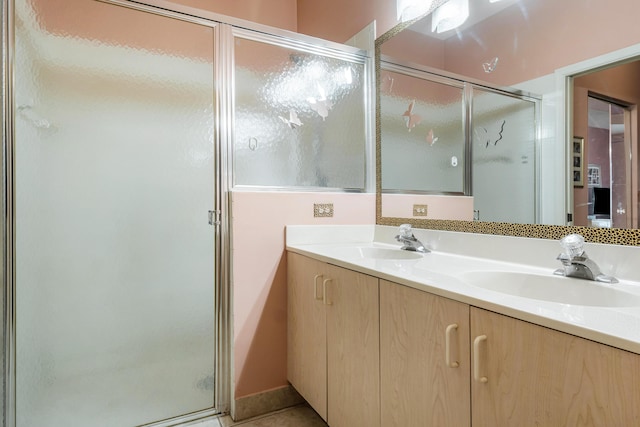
x,y
420,210
322,210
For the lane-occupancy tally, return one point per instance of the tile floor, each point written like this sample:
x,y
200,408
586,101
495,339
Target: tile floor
x,y
297,416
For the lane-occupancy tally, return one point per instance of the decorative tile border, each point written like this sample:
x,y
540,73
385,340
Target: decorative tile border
x,y
615,236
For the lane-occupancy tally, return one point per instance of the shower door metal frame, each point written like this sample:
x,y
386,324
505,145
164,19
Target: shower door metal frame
x,y
326,49
221,328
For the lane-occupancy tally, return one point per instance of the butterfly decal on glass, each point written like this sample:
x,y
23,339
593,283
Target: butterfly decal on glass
x,y
386,85
410,119
492,135
293,121
431,138
321,105
488,67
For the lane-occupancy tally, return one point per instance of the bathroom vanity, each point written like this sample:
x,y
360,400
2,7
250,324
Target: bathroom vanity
x,y
379,336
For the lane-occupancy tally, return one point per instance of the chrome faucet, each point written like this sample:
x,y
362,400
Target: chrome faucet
x,y
576,262
409,241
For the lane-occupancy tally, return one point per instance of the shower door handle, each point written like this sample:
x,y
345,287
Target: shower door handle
x,y
214,217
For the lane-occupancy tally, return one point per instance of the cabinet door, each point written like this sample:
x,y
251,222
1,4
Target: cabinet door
x,y
353,349
306,331
540,377
419,386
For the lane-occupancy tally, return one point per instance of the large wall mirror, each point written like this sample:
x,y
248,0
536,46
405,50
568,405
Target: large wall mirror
x,y
564,73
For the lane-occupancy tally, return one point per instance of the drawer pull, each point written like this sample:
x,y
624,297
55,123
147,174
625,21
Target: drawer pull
x,y
447,346
476,359
325,298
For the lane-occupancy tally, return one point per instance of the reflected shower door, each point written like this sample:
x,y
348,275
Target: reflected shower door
x,y
422,132
114,172
503,132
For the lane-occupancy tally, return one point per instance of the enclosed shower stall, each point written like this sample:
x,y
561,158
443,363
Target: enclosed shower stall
x,y
114,174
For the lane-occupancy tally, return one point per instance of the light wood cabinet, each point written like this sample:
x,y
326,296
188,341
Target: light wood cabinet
x,y
306,331
540,377
423,384
519,374
367,352
333,341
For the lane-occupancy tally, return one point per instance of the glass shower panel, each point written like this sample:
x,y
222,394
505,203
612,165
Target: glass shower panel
x,y
422,134
300,118
114,166
620,169
503,132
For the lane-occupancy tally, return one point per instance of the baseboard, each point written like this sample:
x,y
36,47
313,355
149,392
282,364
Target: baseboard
x,y
265,402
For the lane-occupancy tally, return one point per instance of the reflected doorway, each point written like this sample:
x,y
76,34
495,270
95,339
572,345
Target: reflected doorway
x,y
608,161
605,116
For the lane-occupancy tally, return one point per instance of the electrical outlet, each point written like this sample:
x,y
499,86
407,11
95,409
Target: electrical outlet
x,y
322,210
419,210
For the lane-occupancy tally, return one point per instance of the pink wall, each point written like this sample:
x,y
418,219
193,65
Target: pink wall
x,y
549,35
95,20
415,47
439,207
276,13
338,20
259,275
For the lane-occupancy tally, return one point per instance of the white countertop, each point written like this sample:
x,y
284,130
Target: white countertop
x,y
441,273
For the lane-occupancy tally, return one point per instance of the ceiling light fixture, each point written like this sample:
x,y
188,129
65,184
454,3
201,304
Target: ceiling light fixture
x,y
411,9
450,15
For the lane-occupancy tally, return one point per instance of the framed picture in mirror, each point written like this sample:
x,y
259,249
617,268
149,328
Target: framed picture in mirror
x,y
594,176
577,161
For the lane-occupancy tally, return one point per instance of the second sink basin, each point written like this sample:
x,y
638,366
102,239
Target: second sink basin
x,y
552,288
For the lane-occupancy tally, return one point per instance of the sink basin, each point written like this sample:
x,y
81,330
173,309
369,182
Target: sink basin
x,y
386,253
367,252
552,288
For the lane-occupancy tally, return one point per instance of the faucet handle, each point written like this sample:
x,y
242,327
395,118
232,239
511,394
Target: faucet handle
x,y
572,245
406,230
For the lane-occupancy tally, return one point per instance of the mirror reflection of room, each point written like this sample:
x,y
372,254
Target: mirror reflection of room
x,y
482,51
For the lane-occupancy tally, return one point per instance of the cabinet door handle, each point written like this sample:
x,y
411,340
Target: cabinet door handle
x,y
476,359
325,298
447,346
315,287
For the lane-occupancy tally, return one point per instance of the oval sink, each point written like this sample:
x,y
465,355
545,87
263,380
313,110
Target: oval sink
x,y
385,253
368,252
552,288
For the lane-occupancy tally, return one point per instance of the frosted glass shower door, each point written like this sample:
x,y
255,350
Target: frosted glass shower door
x,y
422,129
114,172
503,131
299,116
